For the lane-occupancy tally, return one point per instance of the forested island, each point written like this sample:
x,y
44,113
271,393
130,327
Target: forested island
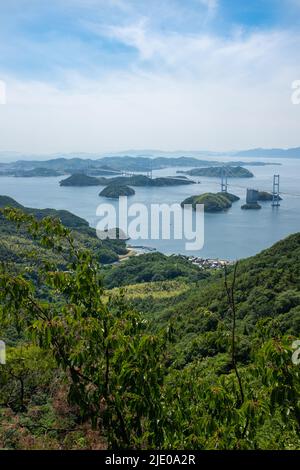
x,y
141,180
114,191
80,179
213,202
217,171
135,180
264,196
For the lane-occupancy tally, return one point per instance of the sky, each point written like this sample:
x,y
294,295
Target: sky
x,y
102,76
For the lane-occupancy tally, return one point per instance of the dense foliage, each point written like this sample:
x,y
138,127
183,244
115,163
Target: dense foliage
x,y
213,202
151,267
17,245
206,364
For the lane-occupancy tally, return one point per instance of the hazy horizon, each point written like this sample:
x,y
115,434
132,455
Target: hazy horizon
x,y
11,156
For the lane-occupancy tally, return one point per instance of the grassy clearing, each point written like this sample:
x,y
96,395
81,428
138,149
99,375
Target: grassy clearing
x,y
156,290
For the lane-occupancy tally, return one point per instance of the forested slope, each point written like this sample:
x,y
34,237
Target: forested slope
x,y
17,243
181,362
267,292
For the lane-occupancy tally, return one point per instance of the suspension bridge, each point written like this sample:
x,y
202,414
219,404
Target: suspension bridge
x,y
276,193
226,173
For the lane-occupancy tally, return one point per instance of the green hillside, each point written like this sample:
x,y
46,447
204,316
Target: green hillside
x,y
151,267
142,180
267,293
80,179
147,354
16,245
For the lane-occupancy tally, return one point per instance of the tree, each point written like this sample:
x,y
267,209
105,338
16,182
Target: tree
x,y
113,364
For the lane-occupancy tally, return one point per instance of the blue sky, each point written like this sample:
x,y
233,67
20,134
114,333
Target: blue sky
x,y
101,75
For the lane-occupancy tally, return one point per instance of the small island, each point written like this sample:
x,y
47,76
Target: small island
x,y
114,191
264,196
251,206
142,180
213,202
80,179
216,172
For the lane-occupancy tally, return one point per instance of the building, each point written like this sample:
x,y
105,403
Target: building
x,y
252,196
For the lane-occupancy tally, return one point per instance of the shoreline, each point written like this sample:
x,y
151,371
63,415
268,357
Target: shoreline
x,y
202,263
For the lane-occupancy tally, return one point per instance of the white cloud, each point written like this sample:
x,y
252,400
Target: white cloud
x,y
202,92
203,53
134,35
211,5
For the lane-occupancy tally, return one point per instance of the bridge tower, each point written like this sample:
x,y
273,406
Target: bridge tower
x,y
276,191
224,181
150,171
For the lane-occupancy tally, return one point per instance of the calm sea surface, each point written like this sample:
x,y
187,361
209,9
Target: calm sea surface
x,y
230,235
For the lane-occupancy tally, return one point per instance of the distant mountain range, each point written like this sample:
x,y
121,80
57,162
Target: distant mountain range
x,y
9,156
256,152
109,165
269,153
